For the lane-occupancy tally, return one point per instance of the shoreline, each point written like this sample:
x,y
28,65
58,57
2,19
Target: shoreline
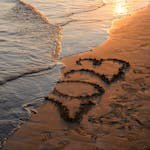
x,y
108,120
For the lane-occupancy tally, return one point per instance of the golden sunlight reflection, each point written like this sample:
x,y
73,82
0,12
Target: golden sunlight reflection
x,y
120,8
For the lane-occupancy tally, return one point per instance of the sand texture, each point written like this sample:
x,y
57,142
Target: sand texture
x,y
102,100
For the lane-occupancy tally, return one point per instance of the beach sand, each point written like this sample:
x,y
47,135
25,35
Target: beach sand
x,y
102,100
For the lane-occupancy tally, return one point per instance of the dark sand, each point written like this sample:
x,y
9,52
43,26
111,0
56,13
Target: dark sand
x,y
102,100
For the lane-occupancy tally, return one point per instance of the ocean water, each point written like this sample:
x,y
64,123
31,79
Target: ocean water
x,y
34,35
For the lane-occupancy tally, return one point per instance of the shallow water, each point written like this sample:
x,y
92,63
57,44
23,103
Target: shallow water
x,y
85,22
35,34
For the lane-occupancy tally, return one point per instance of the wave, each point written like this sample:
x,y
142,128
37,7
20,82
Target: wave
x,y
78,20
84,11
22,6
33,28
15,77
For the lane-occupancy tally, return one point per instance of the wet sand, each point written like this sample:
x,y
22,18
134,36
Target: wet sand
x,y
102,99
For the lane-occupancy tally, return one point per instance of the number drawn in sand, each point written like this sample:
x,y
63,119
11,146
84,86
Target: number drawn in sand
x,y
86,100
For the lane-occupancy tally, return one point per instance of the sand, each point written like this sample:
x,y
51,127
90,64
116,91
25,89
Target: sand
x,y
102,100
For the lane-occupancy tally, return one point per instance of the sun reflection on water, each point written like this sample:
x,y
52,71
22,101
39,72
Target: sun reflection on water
x,y
120,8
